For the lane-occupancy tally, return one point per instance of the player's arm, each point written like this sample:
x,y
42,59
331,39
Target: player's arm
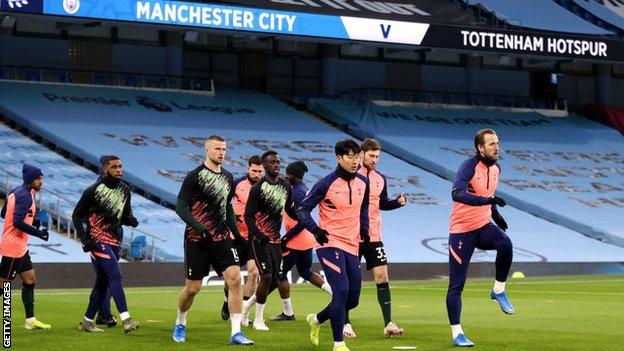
x,y
364,222
185,197
127,217
80,213
230,217
460,194
304,211
386,204
498,219
251,208
298,196
289,207
22,204
3,211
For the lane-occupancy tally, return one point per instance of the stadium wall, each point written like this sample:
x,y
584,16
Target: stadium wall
x,y
139,274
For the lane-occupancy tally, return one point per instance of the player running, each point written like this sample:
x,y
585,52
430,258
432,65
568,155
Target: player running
x,y
204,204
268,199
297,245
342,197
373,251
105,205
19,222
475,203
242,186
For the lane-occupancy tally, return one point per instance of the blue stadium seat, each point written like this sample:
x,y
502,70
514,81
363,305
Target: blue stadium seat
x,y
137,250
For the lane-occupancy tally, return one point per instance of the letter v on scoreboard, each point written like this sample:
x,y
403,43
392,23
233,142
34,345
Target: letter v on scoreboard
x,y
370,29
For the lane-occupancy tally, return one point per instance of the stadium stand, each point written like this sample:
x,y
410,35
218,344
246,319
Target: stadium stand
x,y
160,136
64,182
539,14
611,12
566,170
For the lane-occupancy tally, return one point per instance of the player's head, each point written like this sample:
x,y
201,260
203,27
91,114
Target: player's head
x,y
371,151
214,148
32,176
254,168
271,163
112,167
295,171
348,155
486,144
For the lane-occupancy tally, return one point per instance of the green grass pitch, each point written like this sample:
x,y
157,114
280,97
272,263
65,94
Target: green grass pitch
x,y
552,313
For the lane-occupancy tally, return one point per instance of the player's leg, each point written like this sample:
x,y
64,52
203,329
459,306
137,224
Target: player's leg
x,y
264,263
225,312
104,314
461,248
493,238
289,259
196,267
334,265
252,272
27,275
354,276
304,267
115,283
100,287
252,279
249,291
228,255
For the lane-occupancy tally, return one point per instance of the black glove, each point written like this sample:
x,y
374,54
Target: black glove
x,y
43,234
499,220
262,239
364,236
321,236
87,246
498,201
132,221
205,235
36,223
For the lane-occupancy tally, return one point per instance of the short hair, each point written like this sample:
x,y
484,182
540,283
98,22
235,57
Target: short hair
x,y
267,154
480,137
370,144
255,160
107,159
343,147
215,138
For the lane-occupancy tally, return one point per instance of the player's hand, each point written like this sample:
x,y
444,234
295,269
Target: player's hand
x,y
87,246
133,222
43,234
36,223
321,236
498,201
205,235
364,236
402,200
262,239
499,220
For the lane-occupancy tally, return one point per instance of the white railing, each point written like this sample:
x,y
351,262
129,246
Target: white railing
x,y
62,222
